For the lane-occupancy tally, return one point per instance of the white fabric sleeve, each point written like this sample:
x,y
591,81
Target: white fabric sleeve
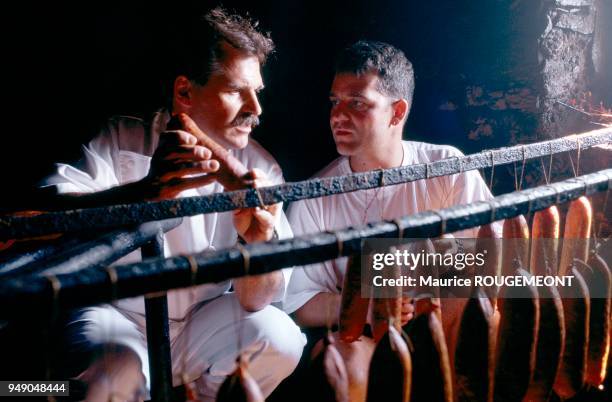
x,y
466,188
284,232
283,228
95,171
307,281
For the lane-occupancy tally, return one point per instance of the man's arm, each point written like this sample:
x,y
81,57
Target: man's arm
x,y
257,225
319,311
178,164
256,292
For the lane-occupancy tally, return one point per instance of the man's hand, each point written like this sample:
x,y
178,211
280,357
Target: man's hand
x,y
407,310
178,164
257,224
445,244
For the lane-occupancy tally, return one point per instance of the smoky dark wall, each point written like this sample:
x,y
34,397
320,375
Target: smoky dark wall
x,y
71,67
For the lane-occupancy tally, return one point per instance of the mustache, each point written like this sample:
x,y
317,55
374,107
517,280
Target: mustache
x,y
246,119
335,129
340,126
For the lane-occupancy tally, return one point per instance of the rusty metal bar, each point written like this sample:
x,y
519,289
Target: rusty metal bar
x,y
72,256
91,286
119,215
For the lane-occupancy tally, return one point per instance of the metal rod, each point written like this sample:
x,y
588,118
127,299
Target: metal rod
x,y
12,227
98,253
21,263
91,286
158,332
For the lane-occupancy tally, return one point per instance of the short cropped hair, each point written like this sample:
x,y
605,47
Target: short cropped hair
x,y
394,70
201,47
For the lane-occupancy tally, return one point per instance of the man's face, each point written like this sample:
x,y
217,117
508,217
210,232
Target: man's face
x,y
360,116
227,107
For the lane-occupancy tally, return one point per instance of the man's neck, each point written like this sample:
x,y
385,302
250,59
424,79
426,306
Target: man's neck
x,y
385,157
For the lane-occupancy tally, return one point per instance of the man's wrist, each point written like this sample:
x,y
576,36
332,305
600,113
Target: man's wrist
x,y
242,240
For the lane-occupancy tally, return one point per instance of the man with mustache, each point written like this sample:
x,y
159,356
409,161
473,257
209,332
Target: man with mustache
x,y
217,81
371,96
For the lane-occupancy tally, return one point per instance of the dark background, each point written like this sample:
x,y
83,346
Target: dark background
x,y
71,67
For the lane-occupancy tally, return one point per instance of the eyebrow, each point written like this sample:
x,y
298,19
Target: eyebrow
x,y
352,94
244,85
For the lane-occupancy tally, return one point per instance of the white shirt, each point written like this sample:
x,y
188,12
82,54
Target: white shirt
x,y
364,206
120,154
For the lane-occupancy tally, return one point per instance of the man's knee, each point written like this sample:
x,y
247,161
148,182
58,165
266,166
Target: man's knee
x,y
280,336
100,343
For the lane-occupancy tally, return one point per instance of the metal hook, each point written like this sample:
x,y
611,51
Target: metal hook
x,y
550,163
492,169
400,230
493,208
578,145
262,205
246,257
442,222
193,268
339,244
460,161
382,177
530,203
557,194
112,276
586,185
56,286
520,183
427,171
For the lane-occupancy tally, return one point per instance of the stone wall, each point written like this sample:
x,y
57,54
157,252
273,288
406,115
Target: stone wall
x,y
565,54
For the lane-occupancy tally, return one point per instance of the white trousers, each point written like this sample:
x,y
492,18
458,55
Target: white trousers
x,y
205,346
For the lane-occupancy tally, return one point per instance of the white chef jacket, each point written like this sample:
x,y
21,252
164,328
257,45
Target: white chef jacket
x,y
384,203
120,154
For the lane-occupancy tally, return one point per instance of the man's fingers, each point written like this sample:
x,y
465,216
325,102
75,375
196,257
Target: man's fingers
x,y
192,182
243,211
189,152
258,177
190,168
273,208
264,216
257,174
177,137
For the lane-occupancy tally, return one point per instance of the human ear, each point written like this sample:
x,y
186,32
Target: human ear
x,y
182,91
400,111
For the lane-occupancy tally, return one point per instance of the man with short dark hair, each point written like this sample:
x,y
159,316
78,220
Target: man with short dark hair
x,y
371,96
216,82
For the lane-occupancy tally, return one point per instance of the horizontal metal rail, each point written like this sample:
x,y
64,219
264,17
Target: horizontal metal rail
x,y
13,227
73,256
92,286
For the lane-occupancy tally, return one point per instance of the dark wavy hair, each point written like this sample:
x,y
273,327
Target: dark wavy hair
x,y
394,70
200,49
